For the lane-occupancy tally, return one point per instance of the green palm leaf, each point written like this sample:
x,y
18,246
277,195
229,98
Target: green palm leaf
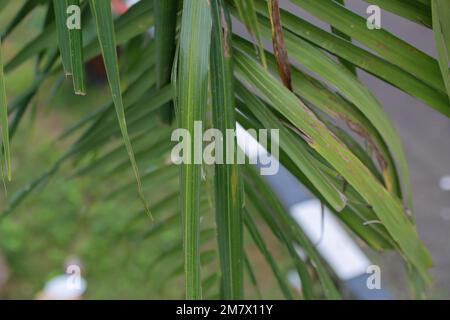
x,y
228,193
192,86
4,119
106,35
335,137
387,207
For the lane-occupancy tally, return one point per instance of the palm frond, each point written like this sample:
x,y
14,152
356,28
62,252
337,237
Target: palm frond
x,y
196,64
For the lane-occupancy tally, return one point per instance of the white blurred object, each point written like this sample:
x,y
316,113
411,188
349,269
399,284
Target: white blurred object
x,y
294,280
68,286
248,143
131,2
331,239
62,288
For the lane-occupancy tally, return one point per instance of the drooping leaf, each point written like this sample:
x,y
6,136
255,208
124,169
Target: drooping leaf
x,y
387,207
247,13
295,150
76,52
441,25
360,96
364,59
262,246
165,32
4,120
390,47
350,66
105,29
192,85
227,185
60,7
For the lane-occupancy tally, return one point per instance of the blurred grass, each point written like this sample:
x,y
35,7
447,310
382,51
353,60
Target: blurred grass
x,y
67,219
62,220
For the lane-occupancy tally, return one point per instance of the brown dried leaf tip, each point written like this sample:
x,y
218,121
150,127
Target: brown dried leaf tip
x,y
279,47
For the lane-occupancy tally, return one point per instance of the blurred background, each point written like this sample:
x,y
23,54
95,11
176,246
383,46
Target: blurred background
x,y
66,221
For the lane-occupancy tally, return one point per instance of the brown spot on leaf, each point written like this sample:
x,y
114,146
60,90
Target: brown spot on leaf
x,y
362,132
225,30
